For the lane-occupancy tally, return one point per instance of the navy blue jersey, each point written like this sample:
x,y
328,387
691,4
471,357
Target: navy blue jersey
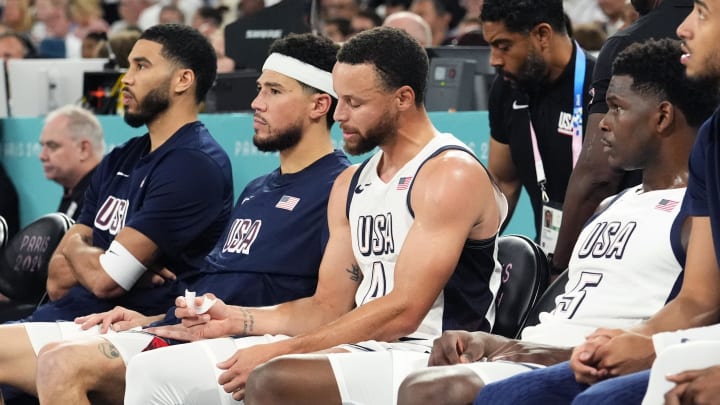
x,y
179,196
271,249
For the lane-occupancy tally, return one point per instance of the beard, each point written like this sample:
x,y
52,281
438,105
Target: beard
x,y
710,71
532,72
280,141
153,104
385,130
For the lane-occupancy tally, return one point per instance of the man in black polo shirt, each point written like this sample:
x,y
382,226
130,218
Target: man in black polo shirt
x,y
543,85
593,179
72,146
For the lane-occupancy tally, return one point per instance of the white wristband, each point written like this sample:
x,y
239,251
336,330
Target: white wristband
x,y
121,265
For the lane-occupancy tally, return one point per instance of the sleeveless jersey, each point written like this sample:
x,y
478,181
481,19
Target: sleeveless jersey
x,y
380,218
179,196
271,249
626,265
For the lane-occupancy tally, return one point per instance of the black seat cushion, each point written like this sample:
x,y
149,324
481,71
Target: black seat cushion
x,y
525,274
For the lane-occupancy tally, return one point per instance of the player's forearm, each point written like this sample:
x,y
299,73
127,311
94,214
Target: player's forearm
x,y
680,313
60,277
84,262
291,318
381,321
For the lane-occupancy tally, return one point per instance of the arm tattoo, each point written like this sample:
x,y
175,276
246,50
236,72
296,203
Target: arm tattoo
x,y
354,271
110,351
248,322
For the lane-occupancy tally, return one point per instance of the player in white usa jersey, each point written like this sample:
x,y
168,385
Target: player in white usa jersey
x,y
388,277
614,280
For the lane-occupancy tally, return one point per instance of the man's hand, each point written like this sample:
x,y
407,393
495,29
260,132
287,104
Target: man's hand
x,y
117,319
458,346
155,276
626,353
695,387
583,361
239,366
211,324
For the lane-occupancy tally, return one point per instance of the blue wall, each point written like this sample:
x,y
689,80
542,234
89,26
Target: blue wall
x,y
19,149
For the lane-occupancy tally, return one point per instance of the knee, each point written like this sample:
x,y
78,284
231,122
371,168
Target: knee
x,y
265,383
56,361
439,385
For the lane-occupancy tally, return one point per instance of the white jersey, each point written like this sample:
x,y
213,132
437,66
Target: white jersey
x,y
380,218
627,263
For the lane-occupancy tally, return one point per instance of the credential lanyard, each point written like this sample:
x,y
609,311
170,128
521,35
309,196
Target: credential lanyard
x,y
576,123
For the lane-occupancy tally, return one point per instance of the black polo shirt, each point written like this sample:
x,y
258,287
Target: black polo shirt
x,y
549,106
72,200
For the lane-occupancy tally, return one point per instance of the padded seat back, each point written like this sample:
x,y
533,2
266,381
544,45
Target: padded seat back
x,y
525,274
3,233
24,261
546,302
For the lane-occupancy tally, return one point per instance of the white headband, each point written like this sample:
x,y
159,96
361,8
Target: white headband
x,y
300,71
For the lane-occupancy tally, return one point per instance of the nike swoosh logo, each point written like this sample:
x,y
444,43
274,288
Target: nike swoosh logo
x,y
517,106
121,174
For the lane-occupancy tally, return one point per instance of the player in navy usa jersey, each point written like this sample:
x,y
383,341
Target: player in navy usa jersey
x,y
614,280
412,251
160,201
270,250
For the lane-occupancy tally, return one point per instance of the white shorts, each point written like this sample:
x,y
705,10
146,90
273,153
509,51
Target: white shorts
x,y
183,374
371,378
187,374
492,371
42,333
677,358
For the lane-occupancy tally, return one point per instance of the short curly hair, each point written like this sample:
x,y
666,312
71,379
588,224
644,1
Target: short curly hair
x,y
523,15
399,60
185,46
314,50
657,72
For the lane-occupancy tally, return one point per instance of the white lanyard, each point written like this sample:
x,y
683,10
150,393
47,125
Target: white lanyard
x,y
576,122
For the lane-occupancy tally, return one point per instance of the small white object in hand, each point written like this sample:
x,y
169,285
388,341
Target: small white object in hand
x,y
199,309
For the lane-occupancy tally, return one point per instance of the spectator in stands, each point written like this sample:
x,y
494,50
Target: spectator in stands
x,y
87,17
129,11
94,45
611,366
208,21
53,30
16,46
592,180
472,8
9,207
72,146
657,112
247,266
411,23
17,17
337,29
436,15
399,287
338,9
591,37
171,14
121,44
536,100
364,20
614,11
394,6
